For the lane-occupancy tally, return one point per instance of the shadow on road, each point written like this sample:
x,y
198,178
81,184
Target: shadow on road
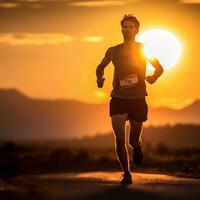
x,y
121,192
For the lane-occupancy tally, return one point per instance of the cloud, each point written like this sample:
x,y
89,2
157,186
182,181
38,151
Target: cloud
x,y
36,6
44,38
190,1
70,3
92,39
29,1
34,39
100,3
79,3
42,0
8,5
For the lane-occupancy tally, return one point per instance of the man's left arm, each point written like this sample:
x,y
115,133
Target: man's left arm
x,y
158,71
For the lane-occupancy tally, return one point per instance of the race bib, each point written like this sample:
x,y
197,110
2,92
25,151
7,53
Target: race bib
x,y
128,81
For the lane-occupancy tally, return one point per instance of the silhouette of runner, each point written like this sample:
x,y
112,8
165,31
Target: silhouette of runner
x,y
128,94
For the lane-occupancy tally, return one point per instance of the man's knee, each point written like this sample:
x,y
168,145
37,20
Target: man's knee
x,y
135,143
134,125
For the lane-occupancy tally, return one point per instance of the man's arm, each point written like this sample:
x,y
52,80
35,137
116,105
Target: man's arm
x,y
158,70
100,68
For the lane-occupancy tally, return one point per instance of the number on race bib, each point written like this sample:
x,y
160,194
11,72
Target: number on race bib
x,y
128,81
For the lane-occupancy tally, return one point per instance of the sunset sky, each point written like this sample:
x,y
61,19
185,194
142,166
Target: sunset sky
x,y
50,49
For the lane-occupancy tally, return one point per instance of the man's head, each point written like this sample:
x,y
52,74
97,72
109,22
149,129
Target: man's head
x,y
130,26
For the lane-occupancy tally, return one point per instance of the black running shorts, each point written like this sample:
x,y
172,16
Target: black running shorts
x,y
137,109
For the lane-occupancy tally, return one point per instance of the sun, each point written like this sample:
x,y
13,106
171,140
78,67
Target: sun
x,y
161,44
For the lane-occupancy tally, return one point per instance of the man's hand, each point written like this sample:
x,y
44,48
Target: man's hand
x,y
100,82
151,79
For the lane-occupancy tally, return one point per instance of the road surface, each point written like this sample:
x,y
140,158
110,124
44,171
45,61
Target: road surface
x,y
99,186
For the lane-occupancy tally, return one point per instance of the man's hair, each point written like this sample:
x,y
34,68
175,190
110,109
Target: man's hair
x,y
131,18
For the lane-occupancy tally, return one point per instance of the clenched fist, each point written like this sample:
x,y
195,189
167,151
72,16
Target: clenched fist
x,y
100,82
151,79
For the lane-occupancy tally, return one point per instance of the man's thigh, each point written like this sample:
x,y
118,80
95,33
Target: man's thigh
x,y
135,124
118,123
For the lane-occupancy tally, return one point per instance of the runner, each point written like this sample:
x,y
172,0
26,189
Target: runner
x,y
128,96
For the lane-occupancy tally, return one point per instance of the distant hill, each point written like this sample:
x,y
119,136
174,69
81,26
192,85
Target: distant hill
x,y
189,114
175,137
168,136
24,118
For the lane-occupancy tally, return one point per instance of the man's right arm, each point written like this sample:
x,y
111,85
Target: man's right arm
x,y
100,68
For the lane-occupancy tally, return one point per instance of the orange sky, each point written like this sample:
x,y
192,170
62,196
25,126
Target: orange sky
x,y
50,49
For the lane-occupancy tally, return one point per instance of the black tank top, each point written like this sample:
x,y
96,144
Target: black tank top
x,y
129,72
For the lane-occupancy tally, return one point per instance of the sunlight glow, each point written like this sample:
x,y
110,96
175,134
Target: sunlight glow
x,y
100,94
161,44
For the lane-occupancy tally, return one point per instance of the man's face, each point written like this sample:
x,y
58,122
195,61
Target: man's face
x,y
129,30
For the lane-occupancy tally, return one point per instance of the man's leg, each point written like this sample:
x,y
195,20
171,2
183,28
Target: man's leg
x,y
118,124
135,141
135,133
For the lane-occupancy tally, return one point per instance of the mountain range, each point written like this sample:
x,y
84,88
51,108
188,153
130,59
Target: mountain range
x,y
22,117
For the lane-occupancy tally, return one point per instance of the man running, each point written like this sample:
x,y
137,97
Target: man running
x,y
128,94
